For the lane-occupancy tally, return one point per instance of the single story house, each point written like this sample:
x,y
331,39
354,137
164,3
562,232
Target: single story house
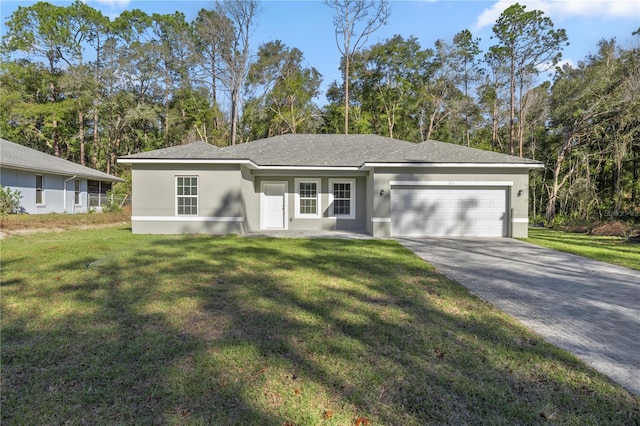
x,y
49,184
365,183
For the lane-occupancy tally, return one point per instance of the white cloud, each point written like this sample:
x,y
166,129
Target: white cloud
x,y
550,70
121,4
561,9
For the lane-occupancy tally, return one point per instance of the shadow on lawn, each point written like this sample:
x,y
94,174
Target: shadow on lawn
x,y
225,331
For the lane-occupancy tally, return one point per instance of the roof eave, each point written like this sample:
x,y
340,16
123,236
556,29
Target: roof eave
x,y
245,162
107,178
371,165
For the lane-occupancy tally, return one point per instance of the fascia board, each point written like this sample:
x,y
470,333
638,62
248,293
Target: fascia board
x,y
47,171
247,163
367,166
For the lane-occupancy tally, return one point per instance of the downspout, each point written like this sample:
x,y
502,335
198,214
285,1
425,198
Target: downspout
x,y
64,198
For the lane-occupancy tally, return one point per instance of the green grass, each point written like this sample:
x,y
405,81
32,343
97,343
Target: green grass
x,y
107,327
614,250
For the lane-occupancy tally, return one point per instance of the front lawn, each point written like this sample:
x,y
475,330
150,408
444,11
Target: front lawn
x,y
615,250
106,327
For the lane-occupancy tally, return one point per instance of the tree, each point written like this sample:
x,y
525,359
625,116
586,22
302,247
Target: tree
x,y
43,30
442,101
285,104
528,42
491,95
465,63
595,108
87,26
387,78
212,32
348,14
234,55
175,47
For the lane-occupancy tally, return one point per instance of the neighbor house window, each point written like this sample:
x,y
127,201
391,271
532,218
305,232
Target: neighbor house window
x,y
39,189
187,195
97,192
342,198
76,192
307,198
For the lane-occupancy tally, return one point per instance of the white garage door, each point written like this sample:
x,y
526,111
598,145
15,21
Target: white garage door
x,y
444,212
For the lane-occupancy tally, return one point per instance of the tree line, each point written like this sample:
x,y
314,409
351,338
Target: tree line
x,y
81,86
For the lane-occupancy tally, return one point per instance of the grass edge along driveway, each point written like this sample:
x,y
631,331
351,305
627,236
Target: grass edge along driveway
x,y
108,327
614,250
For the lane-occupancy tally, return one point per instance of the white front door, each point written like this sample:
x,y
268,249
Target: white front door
x,y
273,205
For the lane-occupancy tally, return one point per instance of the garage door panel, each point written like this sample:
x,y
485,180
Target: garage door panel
x,y
442,212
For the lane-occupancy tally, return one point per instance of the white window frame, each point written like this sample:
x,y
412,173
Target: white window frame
x,y
40,190
77,191
352,199
197,196
318,213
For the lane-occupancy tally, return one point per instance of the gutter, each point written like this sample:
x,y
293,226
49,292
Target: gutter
x,y
65,193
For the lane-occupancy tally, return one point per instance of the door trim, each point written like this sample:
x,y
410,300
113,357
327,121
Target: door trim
x,y
263,208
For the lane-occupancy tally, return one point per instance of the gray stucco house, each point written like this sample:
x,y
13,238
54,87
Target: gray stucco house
x,y
382,186
50,184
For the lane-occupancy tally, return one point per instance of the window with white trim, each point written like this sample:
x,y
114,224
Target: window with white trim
x,y
342,198
76,192
187,195
39,189
307,198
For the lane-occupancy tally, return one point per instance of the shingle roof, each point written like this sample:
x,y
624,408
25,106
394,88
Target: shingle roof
x,y
321,150
195,151
16,156
317,150
442,152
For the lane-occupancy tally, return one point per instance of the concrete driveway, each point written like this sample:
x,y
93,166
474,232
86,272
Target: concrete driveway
x,y
589,308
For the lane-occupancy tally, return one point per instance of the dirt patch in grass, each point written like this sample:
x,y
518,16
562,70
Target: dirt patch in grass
x,y
612,228
23,224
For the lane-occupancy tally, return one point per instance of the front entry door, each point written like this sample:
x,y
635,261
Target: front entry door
x,y
273,206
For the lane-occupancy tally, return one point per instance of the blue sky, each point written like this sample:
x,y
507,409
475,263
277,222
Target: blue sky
x,y
307,24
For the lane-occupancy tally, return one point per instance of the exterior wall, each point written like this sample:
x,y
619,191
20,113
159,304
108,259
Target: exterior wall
x,y
220,200
250,200
325,222
514,179
53,194
229,199
369,203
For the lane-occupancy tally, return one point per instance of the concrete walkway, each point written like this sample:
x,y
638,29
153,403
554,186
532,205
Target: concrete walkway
x,y
341,235
589,308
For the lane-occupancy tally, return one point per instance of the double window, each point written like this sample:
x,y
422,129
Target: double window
x,y
187,195
308,198
342,195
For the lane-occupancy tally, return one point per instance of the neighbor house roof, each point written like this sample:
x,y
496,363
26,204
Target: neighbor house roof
x,y
16,156
321,150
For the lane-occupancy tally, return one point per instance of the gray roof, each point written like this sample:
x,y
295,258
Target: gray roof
x,y
321,150
16,156
317,150
191,151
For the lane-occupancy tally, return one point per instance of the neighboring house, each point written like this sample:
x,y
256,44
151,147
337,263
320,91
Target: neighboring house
x,y
50,184
365,183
